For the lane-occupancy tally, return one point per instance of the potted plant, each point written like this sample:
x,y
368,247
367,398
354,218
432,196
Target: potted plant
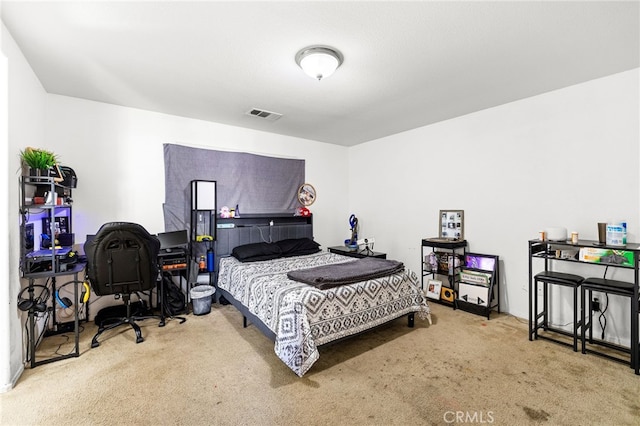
x,y
38,160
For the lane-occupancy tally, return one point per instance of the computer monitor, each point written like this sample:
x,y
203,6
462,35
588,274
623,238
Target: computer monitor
x,y
173,239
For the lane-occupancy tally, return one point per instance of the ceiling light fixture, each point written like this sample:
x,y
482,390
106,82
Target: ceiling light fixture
x,y
319,61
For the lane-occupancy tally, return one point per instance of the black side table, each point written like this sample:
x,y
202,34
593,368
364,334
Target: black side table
x,y
346,251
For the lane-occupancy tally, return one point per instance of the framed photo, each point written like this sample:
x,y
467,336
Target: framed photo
x,y
433,289
451,224
306,194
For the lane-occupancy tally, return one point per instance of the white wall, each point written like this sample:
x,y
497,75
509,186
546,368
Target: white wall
x,y
5,291
118,157
566,158
117,154
25,124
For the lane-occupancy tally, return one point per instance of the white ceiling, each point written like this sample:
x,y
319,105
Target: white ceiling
x,y
407,64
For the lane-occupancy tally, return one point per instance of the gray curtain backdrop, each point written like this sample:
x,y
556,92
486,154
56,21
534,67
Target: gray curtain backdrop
x,y
256,183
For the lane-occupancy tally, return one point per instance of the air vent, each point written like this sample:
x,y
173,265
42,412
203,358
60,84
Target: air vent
x,y
261,113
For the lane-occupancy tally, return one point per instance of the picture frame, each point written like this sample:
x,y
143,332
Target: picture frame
x,y
306,194
451,226
433,289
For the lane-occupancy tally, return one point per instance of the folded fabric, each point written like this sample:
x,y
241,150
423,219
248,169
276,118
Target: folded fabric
x,y
329,276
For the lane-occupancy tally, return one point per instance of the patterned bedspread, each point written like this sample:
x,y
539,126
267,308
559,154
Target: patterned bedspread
x,y
303,317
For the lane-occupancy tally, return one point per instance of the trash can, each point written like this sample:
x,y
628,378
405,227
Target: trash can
x,y
201,299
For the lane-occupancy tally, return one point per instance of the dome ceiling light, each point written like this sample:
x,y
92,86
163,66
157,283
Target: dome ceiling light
x,y
319,61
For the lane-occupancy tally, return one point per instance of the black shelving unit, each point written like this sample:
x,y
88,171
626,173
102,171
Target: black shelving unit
x,y
42,201
203,225
443,249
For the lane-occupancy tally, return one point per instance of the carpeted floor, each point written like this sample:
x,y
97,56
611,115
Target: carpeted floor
x,y
211,371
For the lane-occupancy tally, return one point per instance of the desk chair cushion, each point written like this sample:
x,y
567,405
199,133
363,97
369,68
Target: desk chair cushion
x,y
561,278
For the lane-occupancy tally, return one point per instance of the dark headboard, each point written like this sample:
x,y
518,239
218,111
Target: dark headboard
x,y
255,228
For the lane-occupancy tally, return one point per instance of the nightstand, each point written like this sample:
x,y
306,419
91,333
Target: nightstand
x,y
346,251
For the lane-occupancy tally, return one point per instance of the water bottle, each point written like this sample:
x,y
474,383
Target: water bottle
x,y
210,260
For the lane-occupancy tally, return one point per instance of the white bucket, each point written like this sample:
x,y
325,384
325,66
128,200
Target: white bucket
x,y
617,233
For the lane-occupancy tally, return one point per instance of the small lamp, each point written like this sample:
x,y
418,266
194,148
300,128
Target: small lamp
x,y
319,61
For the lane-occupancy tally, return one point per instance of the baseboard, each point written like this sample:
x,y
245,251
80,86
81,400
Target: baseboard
x,y
8,386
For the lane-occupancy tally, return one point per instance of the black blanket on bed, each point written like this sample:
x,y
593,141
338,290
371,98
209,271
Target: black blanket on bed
x,y
329,276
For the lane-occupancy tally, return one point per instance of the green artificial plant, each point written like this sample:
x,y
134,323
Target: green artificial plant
x,y
37,158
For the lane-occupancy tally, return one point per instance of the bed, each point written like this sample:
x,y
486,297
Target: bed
x,y
299,317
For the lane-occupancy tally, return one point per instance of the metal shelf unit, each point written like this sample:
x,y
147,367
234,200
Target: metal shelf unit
x,y
56,199
454,248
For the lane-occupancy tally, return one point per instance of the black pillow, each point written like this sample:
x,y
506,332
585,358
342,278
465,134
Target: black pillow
x,y
256,251
298,246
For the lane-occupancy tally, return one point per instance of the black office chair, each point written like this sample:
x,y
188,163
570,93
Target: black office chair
x,y
122,259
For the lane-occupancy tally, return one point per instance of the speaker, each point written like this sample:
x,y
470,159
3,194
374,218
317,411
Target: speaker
x,y
37,303
203,195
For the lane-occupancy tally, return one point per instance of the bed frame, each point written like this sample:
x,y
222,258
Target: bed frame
x,y
256,228
249,318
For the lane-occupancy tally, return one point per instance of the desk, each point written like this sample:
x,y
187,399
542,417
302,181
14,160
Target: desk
x,y
32,277
550,252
